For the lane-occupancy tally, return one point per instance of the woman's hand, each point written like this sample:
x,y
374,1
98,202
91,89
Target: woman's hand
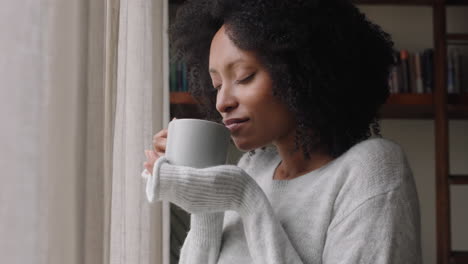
x,y
159,145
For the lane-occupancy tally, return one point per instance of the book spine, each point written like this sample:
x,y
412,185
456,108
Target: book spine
x,y
412,72
464,73
456,71
419,81
172,77
424,71
184,77
398,75
430,70
393,82
405,71
179,77
450,74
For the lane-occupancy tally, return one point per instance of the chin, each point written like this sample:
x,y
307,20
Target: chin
x,y
246,145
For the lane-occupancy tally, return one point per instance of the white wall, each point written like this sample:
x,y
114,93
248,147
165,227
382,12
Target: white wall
x,y
411,29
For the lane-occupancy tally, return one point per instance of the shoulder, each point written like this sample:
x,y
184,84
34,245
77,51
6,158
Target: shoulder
x,y
260,159
376,150
373,167
377,156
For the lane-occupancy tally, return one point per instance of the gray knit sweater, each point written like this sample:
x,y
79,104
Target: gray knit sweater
x,y
360,208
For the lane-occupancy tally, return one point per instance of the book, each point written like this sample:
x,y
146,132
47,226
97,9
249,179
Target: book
x,y
405,74
456,58
172,77
450,74
393,80
419,78
427,70
184,78
412,73
393,77
179,77
464,73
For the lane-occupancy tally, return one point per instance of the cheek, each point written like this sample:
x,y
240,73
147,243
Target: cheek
x,y
279,120
260,92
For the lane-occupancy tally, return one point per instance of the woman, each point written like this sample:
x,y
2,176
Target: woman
x,y
307,77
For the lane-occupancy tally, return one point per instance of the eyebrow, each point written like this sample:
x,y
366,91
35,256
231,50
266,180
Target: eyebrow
x,y
230,65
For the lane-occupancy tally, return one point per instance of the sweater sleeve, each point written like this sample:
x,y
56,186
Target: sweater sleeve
x,y
384,229
203,241
215,190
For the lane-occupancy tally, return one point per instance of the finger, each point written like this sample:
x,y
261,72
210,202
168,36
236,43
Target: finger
x,y
160,134
160,145
146,165
152,155
149,168
152,159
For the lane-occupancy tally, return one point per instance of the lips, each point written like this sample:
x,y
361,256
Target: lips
x,y
234,124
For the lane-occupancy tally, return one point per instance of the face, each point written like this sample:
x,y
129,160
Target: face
x,y
245,98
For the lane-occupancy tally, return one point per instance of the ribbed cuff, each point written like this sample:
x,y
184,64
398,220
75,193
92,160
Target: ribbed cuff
x,y
254,200
152,180
208,190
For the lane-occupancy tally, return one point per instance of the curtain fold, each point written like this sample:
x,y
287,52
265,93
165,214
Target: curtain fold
x,y
83,91
136,227
43,123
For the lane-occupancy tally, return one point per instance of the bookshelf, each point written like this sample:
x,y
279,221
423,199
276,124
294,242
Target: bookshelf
x,y
398,106
404,2
438,106
182,98
393,2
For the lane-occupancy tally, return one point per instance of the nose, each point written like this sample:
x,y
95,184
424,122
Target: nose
x,y
226,101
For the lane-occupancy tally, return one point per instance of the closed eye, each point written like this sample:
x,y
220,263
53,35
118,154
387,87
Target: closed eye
x,y
246,80
243,81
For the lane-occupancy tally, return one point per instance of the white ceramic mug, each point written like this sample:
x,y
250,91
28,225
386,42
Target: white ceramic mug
x,y
197,143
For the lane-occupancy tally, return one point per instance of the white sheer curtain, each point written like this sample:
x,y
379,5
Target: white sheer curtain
x,y
142,109
42,113
81,95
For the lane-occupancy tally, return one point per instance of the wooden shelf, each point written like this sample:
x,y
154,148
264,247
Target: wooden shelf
x,y
458,179
408,2
394,2
410,99
456,2
182,98
457,257
457,36
176,2
398,106
421,106
383,2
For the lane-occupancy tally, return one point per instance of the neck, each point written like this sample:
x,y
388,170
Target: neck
x,y
294,163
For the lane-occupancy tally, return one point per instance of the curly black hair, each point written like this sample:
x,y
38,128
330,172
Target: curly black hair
x,y
329,64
